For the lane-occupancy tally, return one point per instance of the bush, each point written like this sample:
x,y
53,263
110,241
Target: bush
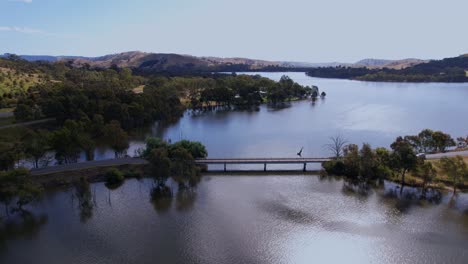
x,y
132,174
114,177
334,167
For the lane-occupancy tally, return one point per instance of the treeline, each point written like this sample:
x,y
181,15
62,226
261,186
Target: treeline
x,y
95,105
446,70
370,165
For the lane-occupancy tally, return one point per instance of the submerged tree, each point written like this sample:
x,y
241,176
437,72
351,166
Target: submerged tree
x,y
456,169
403,158
336,145
116,137
427,173
85,199
17,185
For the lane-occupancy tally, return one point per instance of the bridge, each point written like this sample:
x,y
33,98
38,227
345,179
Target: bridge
x,y
139,161
263,161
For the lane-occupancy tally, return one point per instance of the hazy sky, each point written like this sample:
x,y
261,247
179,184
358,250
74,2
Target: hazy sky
x,y
298,30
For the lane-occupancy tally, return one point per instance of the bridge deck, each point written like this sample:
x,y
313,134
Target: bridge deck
x,y
262,161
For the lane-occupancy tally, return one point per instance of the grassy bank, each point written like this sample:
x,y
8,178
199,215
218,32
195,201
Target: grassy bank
x,y
98,174
442,181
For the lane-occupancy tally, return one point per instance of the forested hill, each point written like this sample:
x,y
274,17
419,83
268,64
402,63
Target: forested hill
x,y
446,70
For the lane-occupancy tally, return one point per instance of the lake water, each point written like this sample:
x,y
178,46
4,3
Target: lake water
x,y
241,219
370,112
266,219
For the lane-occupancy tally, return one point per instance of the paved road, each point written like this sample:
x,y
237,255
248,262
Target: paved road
x,y
447,154
88,165
28,123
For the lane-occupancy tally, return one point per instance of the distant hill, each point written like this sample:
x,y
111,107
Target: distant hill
x,y
446,70
46,58
157,62
392,64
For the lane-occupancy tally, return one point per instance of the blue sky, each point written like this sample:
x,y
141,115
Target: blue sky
x,y
296,30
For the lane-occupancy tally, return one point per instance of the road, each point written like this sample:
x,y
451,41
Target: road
x,y
88,165
28,123
463,153
138,161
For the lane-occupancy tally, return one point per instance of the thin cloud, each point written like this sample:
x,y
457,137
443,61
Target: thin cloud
x,y
22,1
35,31
22,30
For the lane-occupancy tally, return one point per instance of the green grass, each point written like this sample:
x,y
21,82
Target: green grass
x,y
6,110
7,121
12,81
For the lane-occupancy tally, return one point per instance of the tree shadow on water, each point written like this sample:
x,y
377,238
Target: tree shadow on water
x,y
86,201
24,225
161,198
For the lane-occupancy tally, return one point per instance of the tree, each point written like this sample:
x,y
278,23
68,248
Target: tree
x,y
37,145
426,172
17,183
24,112
403,158
456,169
65,142
183,165
116,137
151,144
383,160
368,163
442,141
336,146
87,144
196,149
351,160
426,140
160,164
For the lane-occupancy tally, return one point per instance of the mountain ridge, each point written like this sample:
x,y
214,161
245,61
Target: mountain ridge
x,y
151,61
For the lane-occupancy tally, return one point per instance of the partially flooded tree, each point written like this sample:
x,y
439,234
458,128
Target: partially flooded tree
x,y
427,173
456,169
403,158
337,145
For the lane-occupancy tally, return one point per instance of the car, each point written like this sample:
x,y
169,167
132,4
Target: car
x,y
421,155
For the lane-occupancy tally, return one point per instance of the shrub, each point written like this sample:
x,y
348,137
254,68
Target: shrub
x,y
334,167
114,177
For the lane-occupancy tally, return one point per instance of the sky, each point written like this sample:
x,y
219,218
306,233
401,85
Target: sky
x,y
289,30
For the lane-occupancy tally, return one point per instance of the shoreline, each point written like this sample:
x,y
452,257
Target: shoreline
x,y
97,174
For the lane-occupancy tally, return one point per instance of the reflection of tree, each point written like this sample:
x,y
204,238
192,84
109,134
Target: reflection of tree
x,y
361,189
403,201
185,198
85,199
23,226
161,197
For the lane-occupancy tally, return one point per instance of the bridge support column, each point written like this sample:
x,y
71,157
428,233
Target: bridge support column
x,y
264,167
305,167
224,167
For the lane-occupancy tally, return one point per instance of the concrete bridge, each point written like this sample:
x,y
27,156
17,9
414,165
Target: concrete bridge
x,y
263,161
139,161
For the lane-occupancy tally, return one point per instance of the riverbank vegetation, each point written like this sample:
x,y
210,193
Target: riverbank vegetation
x,y
446,70
100,106
17,188
401,163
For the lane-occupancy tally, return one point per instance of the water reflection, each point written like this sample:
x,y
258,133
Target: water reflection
x,y
20,226
230,219
163,193
86,201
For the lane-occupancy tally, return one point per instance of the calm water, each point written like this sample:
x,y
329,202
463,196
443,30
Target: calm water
x,y
242,219
266,219
375,113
